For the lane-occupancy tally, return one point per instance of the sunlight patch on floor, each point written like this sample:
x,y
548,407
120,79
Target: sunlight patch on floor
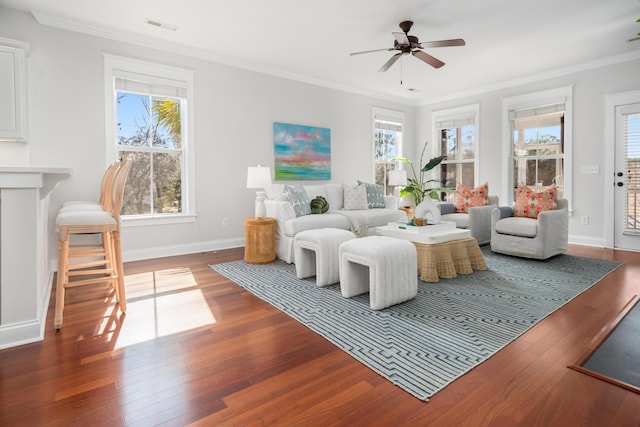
x,y
157,282
161,303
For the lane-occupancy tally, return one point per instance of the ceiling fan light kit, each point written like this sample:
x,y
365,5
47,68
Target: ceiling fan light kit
x,y
405,44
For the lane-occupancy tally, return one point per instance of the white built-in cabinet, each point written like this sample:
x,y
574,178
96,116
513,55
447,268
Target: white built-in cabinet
x,y
13,90
25,276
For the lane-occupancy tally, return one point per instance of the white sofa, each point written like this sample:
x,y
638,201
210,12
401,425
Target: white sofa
x,y
288,225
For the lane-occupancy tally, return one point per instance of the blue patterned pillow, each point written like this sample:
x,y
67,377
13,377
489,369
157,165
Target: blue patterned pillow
x,y
375,195
296,195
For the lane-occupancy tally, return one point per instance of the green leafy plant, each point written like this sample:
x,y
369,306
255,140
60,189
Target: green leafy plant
x,y
419,188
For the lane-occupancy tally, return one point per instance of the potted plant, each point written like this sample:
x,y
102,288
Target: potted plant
x,y
416,186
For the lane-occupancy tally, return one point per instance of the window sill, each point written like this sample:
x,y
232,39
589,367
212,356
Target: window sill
x,y
146,220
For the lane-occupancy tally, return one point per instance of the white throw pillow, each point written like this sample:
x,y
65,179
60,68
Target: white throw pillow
x,y
355,197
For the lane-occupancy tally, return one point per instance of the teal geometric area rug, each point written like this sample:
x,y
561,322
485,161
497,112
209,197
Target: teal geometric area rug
x,y
449,328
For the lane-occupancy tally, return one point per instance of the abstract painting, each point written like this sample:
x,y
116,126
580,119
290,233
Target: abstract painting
x,y
301,152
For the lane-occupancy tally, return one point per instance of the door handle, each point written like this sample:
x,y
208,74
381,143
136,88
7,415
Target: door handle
x,y
619,174
619,184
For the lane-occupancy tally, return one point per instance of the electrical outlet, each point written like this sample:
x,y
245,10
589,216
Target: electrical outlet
x,y
584,220
225,222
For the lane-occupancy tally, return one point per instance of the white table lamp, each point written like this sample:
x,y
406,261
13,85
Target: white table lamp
x,y
259,177
397,178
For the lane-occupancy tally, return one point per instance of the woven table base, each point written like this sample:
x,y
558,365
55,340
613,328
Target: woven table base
x,y
449,259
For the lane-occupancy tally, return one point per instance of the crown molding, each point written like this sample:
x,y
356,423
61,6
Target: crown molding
x,y
589,65
180,49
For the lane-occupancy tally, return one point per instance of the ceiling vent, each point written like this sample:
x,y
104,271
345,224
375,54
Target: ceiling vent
x,y
159,24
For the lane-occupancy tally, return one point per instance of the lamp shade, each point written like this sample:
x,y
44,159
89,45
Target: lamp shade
x,y
258,177
397,177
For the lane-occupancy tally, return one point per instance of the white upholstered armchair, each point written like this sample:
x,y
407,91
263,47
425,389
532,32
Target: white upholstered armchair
x,y
478,220
539,238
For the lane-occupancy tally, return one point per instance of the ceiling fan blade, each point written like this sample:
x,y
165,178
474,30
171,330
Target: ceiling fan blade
x,y
401,38
390,62
434,62
369,51
443,43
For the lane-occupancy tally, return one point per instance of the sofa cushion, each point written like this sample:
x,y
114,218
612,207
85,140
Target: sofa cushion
x,y
530,203
466,197
275,192
312,222
314,191
380,217
517,226
335,195
461,219
355,197
375,195
297,196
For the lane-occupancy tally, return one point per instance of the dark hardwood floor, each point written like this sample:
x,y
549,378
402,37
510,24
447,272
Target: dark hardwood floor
x,y
194,348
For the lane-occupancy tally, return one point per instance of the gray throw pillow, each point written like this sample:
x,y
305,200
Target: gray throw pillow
x,y
447,208
375,195
296,195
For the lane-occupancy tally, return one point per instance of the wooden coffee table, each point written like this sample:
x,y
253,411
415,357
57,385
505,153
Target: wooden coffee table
x,y
441,254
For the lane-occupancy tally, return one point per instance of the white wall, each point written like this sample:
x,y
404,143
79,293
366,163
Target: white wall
x,y
589,90
234,114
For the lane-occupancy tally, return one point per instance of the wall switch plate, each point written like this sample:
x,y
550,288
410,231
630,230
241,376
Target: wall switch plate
x,y
225,222
589,169
584,220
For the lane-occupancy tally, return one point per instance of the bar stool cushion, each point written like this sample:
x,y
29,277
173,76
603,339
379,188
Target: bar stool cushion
x,y
71,218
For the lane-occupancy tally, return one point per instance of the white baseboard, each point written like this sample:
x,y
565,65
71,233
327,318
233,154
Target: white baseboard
x,y
189,248
587,241
174,250
30,331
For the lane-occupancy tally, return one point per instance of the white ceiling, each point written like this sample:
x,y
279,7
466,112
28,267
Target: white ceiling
x,y
507,41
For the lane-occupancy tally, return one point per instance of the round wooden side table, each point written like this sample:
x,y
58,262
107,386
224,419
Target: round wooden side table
x,y
259,240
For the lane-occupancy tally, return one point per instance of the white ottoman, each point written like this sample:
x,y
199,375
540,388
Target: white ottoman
x,y
385,267
316,254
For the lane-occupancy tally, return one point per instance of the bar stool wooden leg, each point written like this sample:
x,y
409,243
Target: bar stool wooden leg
x,y
119,267
62,277
109,260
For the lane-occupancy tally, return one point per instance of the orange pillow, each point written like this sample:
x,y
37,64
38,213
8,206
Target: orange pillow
x,y
466,198
529,203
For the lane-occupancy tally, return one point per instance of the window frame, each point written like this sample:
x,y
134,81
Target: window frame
x,y
528,101
117,66
457,114
378,114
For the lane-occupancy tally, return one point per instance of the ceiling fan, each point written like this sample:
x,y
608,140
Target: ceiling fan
x,y
406,44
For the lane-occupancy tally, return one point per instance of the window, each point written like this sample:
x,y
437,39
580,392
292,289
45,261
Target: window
x,y
387,138
456,136
538,146
538,140
149,122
